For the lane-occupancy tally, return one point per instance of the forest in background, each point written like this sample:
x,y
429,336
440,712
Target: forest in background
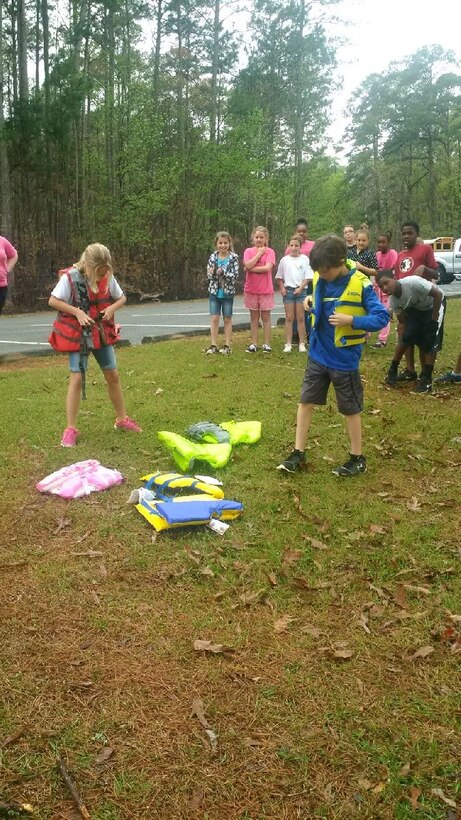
x,y
152,146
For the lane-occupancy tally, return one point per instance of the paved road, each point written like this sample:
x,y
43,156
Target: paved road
x,y
28,333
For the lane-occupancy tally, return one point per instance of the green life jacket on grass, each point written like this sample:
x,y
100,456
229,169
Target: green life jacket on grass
x,y
242,432
186,453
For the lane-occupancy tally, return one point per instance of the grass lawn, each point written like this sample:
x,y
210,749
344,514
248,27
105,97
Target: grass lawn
x,y
340,598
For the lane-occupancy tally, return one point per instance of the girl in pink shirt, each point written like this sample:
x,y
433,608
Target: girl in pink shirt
x,y
387,257
258,291
8,259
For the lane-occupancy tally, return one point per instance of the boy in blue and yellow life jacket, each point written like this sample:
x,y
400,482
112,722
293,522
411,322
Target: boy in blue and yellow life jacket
x,y
344,308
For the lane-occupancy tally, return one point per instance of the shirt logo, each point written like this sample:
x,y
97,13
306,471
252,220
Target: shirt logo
x,y
406,264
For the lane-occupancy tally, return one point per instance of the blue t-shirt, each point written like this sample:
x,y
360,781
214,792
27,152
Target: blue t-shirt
x,y
322,347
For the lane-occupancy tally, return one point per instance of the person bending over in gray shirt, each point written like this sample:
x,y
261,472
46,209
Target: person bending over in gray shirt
x,y
420,307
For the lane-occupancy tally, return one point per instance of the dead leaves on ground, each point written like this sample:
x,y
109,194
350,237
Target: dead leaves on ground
x,y
213,648
282,623
198,711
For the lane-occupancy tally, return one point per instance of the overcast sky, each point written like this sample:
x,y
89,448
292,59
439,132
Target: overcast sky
x,y
381,32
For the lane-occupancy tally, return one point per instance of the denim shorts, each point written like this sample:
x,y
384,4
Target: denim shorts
x,y
292,297
224,306
105,357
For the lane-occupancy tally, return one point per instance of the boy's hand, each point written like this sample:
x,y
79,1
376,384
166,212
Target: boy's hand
x,y
308,304
340,319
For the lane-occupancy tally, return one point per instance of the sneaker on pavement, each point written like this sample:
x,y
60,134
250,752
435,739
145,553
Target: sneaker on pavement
x,y
295,461
225,350
251,348
211,349
302,348
287,348
267,349
354,466
69,437
422,386
407,376
127,424
449,378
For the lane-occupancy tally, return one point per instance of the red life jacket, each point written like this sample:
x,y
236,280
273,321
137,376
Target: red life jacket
x,y
66,335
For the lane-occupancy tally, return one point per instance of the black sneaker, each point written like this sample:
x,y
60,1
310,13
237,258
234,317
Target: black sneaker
x,y
407,376
391,378
295,461
251,348
211,349
422,386
355,466
225,350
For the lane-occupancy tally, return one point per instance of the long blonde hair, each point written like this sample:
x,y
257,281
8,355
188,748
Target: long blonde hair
x,y
95,256
261,229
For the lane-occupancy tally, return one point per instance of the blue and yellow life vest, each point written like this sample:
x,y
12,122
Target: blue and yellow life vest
x,y
164,485
165,511
350,303
188,512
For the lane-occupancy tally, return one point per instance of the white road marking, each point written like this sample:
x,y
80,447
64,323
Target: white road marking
x,y
7,342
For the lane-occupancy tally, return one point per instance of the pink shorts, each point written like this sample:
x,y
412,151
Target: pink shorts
x,y
259,301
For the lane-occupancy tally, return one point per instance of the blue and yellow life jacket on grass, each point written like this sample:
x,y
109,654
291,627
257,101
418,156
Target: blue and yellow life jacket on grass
x,y
184,512
164,485
167,512
350,302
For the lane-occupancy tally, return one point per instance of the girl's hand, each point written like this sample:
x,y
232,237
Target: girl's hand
x,y
340,319
283,291
108,314
308,304
298,291
83,319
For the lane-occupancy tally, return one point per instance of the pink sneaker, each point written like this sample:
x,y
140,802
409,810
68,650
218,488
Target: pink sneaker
x,y
69,437
128,424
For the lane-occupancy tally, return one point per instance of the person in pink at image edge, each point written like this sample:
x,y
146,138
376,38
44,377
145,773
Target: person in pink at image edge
x,y
386,257
258,291
8,259
104,296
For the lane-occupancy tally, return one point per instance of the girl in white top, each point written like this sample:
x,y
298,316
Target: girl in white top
x,y
293,274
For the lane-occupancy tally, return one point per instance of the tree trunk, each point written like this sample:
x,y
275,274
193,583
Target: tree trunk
x,y
5,199
22,51
214,75
158,43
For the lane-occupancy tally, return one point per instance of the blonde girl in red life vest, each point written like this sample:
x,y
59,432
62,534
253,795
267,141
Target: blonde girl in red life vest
x,y
86,298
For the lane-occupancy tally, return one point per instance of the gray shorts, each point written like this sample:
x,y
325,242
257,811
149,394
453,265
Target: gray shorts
x,y
347,384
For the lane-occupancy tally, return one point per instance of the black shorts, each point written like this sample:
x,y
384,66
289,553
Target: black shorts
x,y
418,331
3,294
347,384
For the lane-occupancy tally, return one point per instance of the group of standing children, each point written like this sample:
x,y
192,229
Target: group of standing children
x,y
294,276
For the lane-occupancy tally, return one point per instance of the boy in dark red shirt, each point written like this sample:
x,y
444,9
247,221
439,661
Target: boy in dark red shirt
x,y
415,259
